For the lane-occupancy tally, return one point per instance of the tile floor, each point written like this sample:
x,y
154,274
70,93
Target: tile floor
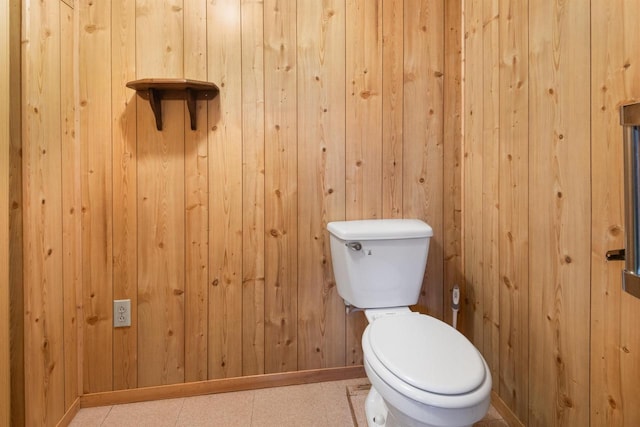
x,y
320,404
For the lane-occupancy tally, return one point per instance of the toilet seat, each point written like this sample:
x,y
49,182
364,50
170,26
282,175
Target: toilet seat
x,y
426,360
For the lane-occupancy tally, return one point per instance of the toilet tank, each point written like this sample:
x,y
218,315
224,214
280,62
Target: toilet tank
x,y
379,263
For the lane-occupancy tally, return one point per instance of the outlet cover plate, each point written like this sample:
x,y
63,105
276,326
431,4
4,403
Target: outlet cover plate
x,y
121,313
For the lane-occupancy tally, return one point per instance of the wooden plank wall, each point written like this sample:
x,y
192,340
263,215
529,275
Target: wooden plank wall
x,y
527,203
217,235
543,204
615,337
16,289
50,213
5,52
327,111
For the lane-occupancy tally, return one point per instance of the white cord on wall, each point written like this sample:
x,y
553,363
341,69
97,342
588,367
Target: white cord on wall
x,y
455,304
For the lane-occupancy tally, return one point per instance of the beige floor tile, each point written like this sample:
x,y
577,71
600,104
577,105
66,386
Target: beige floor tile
x,y
157,413
357,395
299,406
224,409
310,405
493,414
90,417
334,398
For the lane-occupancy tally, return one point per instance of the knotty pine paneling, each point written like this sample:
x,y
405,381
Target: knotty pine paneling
x,y
281,187
97,196
42,190
528,72
224,48
16,288
5,107
513,281
392,106
71,206
560,214
218,236
321,179
160,201
422,189
472,304
253,184
490,180
196,149
50,244
527,166
363,150
452,152
615,340
124,185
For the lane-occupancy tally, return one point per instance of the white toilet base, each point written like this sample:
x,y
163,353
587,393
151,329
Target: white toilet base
x,y
393,410
378,414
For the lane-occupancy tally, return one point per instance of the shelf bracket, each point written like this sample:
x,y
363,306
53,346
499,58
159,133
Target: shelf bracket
x,y
155,100
191,105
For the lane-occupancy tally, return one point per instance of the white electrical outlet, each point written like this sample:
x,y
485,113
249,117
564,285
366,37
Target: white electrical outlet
x,y
121,313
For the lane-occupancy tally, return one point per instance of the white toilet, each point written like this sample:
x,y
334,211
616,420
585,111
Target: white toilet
x,y
423,372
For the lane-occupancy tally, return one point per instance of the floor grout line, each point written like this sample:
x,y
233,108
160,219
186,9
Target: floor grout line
x,y
180,411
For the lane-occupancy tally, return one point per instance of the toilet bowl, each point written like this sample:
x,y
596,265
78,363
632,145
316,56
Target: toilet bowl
x,y
423,372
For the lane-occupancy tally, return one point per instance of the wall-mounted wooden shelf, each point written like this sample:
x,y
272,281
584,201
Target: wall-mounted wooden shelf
x,y
155,90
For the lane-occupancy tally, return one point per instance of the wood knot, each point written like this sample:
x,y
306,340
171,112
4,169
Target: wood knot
x,y
178,292
506,281
615,230
92,320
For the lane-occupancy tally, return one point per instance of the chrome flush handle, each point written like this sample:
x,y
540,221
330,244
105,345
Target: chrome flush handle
x,y
354,246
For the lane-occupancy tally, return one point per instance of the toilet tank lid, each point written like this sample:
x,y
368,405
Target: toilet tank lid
x,y
380,229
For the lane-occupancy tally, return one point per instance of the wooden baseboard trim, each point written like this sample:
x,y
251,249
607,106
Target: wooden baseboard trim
x,y
252,382
502,408
71,412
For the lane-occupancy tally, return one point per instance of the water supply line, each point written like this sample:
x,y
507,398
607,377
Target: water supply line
x,y
455,304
